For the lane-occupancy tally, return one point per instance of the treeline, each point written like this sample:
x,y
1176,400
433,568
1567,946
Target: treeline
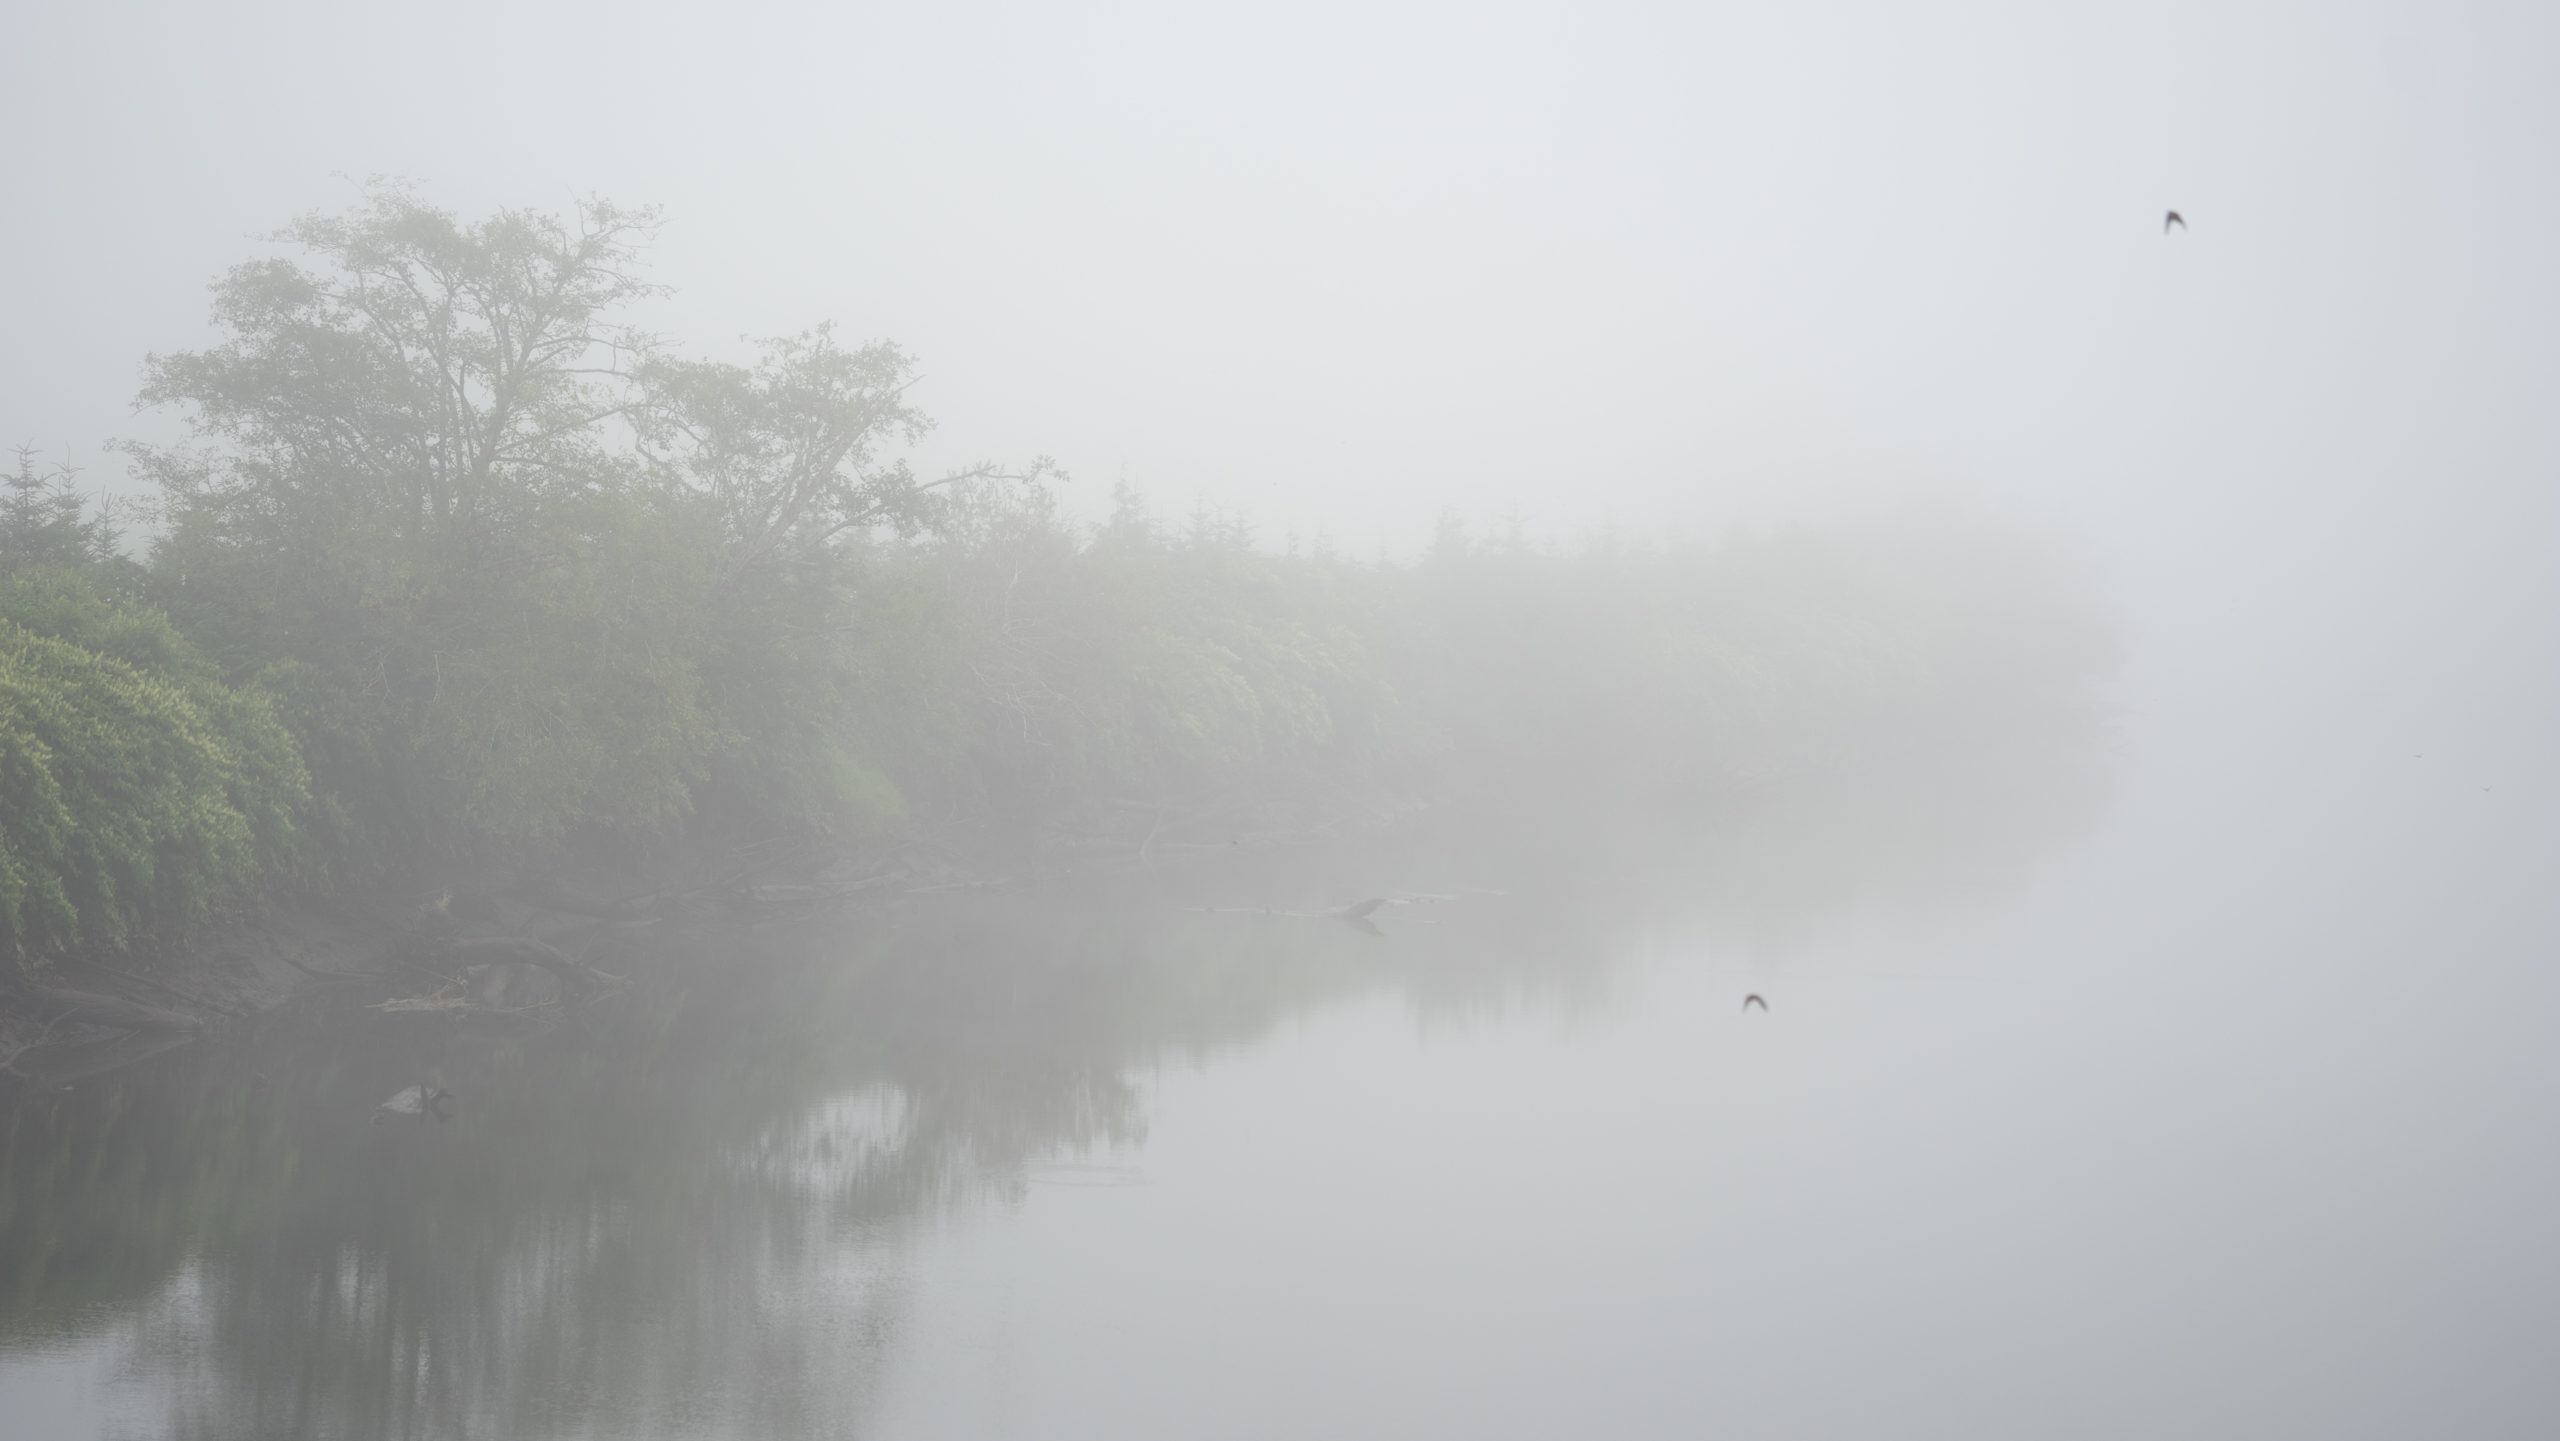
x,y
461,570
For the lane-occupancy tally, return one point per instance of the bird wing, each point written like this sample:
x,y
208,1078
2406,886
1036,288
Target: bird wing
x,y
2172,218
1749,1001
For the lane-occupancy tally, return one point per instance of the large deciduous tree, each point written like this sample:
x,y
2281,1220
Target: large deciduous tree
x,y
500,552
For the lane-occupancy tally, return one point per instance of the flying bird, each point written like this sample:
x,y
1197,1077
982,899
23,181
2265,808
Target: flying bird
x,y
2170,219
1749,1001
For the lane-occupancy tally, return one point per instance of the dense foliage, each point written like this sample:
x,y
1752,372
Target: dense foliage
x,y
519,579
137,791
1012,661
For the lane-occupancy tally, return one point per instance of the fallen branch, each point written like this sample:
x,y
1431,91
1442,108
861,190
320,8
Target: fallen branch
x,y
98,1009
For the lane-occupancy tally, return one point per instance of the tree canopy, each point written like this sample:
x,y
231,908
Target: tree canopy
x,y
506,555
460,567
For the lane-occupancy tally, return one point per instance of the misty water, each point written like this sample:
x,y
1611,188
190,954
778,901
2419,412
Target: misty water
x,y
2182,1072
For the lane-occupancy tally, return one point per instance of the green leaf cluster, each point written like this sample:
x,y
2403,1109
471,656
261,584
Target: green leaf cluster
x,y
137,791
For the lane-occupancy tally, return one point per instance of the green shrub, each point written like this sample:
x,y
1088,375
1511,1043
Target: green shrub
x,y
137,792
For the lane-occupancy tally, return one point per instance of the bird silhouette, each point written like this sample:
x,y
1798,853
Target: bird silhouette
x,y
2172,218
1749,1001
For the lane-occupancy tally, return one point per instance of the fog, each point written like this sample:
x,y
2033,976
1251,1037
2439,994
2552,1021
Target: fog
x,y
2156,937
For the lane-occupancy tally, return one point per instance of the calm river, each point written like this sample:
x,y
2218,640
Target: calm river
x,y
2192,1076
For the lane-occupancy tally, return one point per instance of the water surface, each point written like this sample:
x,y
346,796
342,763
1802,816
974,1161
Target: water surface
x,y
2120,1080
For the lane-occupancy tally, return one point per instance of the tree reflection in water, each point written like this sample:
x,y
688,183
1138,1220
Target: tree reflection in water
x,y
683,1214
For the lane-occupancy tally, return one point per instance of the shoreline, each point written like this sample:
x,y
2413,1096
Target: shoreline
x,y
499,950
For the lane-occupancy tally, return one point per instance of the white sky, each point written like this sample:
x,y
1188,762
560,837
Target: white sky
x,y
1339,266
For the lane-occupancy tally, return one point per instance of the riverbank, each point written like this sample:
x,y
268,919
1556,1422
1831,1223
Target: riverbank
x,y
527,952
